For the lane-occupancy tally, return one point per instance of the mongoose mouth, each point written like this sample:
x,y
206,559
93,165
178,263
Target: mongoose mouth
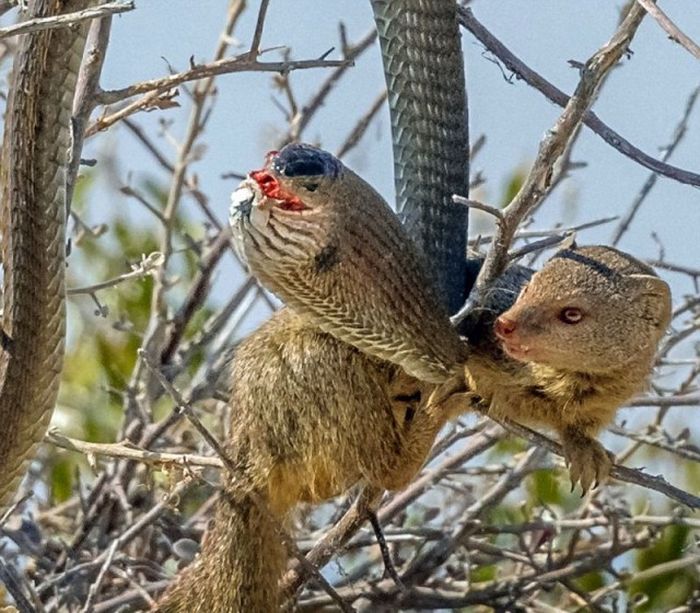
x,y
516,351
271,187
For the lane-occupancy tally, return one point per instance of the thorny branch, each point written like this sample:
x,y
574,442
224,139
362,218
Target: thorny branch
x,y
67,20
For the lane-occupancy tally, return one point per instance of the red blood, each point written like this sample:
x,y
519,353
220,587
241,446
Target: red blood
x,y
272,189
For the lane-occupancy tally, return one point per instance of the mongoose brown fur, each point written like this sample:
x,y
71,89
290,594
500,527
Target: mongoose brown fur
x,y
578,342
313,414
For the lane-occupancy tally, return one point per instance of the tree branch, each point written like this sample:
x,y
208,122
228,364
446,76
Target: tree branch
x,y
614,139
67,20
551,148
673,31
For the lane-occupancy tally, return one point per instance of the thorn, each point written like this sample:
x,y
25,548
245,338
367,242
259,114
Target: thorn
x,y
323,56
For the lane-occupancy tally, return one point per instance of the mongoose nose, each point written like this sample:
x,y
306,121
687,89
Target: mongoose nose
x,y
504,327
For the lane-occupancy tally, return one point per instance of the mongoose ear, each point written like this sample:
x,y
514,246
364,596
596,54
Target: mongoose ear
x,y
658,295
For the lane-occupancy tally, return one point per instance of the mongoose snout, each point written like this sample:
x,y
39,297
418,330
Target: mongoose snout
x,y
504,328
508,332
583,332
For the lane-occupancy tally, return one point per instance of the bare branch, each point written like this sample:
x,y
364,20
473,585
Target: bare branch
x,y
678,135
257,35
87,88
557,96
621,473
147,266
673,31
550,150
240,63
361,126
128,451
67,20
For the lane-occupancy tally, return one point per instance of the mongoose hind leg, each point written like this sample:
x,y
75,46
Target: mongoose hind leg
x,y
588,461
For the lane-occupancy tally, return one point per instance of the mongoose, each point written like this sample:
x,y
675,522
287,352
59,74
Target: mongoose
x,y
326,394
315,412
577,343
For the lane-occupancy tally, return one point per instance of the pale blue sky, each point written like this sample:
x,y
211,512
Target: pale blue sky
x,y
643,101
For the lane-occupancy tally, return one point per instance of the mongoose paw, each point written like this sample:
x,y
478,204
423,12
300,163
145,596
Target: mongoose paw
x,y
588,461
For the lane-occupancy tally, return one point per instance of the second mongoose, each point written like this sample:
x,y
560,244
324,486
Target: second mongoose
x,y
579,341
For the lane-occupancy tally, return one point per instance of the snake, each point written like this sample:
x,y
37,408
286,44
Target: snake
x,y
425,78
32,222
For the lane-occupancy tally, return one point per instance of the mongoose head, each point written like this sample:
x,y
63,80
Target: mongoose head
x,y
590,309
325,241
298,208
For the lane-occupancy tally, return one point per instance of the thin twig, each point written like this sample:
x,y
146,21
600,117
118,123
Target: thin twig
x,y
557,96
146,267
678,135
551,148
259,26
129,451
156,88
358,131
673,31
479,206
389,567
87,88
95,586
8,575
67,20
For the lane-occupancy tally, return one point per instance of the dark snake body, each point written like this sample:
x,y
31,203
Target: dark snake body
x,y
424,72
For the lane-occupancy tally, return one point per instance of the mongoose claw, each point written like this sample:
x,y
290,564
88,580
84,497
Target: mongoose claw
x,y
588,461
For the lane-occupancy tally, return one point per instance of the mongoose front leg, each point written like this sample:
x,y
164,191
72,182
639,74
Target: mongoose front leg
x,y
588,461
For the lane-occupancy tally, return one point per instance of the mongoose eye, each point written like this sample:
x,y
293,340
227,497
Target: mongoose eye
x,y
310,187
570,315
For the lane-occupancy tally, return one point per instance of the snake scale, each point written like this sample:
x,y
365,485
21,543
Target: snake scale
x,y
424,72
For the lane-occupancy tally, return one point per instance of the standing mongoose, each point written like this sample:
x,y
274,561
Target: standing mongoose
x,y
337,387
577,343
316,405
